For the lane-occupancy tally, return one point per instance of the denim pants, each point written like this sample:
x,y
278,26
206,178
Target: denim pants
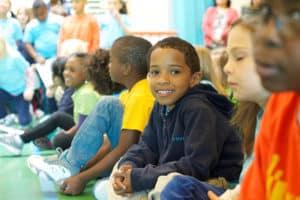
x,y
105,118
15,104
188,188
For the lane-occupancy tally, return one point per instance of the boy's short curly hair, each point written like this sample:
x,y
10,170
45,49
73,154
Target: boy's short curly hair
x,y
132,50
98,73
190,55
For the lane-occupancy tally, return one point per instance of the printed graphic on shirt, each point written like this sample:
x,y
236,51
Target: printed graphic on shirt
x,y
276,186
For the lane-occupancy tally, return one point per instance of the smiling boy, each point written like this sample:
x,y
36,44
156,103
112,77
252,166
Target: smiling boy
x,y
188,130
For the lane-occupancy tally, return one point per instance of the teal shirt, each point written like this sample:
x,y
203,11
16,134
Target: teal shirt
x,y
44,35
110,29
12,73
85,99
11,30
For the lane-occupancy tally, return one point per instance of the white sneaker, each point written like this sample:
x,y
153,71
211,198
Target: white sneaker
x,y
12,143
54,171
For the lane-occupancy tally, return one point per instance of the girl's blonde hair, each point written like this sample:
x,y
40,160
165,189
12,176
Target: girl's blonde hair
x,y
206,68
71,46
245,116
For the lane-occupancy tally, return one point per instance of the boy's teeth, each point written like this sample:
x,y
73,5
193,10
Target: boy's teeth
x,y
164,91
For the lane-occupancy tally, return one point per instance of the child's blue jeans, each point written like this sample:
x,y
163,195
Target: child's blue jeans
x,y
105,118
15,104
188,188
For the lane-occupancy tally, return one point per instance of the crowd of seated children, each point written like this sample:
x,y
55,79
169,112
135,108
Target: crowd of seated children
x,y
112,116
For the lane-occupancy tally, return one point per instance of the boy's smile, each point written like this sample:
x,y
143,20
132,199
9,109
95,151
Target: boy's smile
x,y
169,76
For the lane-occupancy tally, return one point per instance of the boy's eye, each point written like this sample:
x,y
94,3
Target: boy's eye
x,y
153,73
175,71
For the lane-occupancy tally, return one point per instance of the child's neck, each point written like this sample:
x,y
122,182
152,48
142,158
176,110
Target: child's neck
x,y
222,7
80,13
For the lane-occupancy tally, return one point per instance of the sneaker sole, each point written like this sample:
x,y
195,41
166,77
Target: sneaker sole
x,y
36,170
11,149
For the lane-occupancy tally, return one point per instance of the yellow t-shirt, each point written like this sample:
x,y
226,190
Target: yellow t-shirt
x,y
138,104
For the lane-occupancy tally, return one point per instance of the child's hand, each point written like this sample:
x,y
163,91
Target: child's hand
x,y
28,94
72,186
115,13
122,181
40,60
230,194
50,91
212,196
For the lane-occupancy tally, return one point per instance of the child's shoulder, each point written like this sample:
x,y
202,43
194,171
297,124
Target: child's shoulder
x,y
204,98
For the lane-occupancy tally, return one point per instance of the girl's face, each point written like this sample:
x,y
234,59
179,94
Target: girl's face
x,y
4,7
169,76
74,73
114,5
78,6
22,16
240,68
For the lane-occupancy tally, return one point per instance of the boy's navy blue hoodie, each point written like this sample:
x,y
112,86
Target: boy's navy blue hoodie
x,y
195,138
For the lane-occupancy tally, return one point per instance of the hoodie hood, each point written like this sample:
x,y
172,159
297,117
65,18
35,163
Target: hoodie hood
x,y
205,91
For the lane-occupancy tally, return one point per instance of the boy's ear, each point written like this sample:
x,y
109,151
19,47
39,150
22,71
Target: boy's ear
x,y
126,69
196,78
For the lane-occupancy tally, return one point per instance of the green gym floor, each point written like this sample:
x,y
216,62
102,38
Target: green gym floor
x,y
18,182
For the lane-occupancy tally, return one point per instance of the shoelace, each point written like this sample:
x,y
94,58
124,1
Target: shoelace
x,y
54,159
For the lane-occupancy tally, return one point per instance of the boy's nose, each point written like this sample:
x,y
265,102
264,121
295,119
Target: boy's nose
x,y
164,78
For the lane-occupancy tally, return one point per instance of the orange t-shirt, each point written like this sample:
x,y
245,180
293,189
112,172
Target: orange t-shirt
x,y
275,170
84,27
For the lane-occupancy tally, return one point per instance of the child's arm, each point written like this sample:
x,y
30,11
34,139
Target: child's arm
x,y
30,82
77,183
95,34
74,129
31,51
118,17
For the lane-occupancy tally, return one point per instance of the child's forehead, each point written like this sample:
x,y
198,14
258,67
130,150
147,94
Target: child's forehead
x,y
75,62
167,52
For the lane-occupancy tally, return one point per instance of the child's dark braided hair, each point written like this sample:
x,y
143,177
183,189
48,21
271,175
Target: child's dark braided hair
x,y
98,73
58,67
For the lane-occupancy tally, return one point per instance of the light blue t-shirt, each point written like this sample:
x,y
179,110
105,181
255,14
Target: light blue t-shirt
x,y
12,73
11,30
44,35
248,160
110,29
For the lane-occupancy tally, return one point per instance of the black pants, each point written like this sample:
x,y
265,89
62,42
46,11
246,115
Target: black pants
x,y
57,119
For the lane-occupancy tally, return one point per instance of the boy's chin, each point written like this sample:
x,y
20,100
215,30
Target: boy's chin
x,y
274,87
